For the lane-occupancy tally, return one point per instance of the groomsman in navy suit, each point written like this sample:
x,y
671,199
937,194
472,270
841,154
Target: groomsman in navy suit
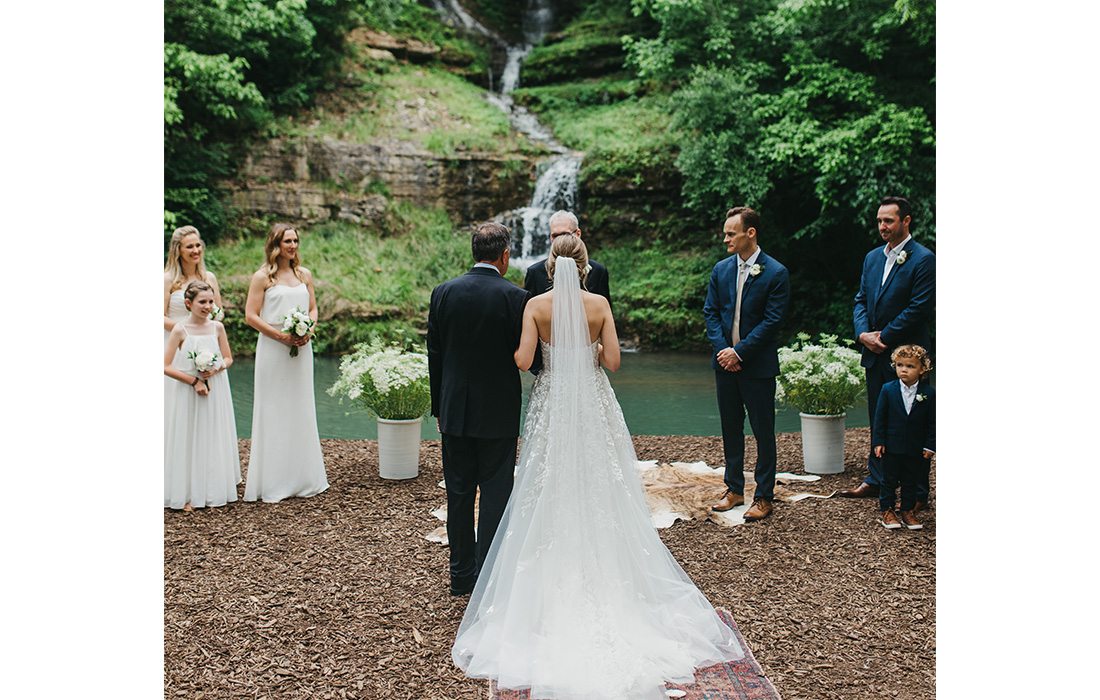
x,y
894,306
746,302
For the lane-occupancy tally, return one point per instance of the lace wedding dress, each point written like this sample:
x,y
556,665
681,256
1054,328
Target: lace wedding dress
x,y
578,597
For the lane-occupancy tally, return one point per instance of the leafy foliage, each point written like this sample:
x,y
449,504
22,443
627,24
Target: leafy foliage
x,y
228,67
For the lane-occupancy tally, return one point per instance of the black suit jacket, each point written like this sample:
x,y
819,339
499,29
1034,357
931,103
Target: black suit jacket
x,y
537,280
474,324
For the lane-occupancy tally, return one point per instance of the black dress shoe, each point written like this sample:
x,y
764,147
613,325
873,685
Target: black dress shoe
x,y
864,490
461,591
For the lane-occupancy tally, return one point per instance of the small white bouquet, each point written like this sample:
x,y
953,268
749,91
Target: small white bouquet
x,y
298,324
820,378
205,361
218,313
389,382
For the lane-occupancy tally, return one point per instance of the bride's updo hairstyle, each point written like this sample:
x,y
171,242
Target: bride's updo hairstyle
x,y
571,247
193,291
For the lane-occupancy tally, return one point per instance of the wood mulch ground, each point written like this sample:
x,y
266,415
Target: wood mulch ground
x,y
339,596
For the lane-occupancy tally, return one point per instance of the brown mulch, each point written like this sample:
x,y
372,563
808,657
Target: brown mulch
x,y
340,596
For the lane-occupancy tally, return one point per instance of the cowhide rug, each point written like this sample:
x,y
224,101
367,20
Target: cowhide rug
x,y
682,491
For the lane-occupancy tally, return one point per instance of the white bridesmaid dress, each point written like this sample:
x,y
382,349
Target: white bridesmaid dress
x,y
201,462
285,460
177,311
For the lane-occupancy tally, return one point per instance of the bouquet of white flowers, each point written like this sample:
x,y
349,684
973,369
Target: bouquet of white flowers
x,y
205,360
822,379
389,382
299,324
217,314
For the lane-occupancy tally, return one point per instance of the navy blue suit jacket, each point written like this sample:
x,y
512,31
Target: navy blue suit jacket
x,y
901,309
905,434
474,324
764,301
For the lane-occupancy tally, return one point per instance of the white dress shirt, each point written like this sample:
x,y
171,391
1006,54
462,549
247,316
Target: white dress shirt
x,y
908,393
488,266
743,267
892,256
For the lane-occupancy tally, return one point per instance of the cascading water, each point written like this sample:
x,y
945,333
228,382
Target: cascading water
x,y
556,187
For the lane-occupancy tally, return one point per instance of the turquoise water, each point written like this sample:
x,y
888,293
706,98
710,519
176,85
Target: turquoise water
x,y
661,393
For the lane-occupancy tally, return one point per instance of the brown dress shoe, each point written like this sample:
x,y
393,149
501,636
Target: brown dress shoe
x,y
890,520
729,501
864,490
760,509
909,520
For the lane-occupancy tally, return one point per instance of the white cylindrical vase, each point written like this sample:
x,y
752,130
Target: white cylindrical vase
x,y
398,448
823,443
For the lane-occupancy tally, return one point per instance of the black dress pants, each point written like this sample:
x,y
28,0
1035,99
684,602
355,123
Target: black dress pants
x,y
469,464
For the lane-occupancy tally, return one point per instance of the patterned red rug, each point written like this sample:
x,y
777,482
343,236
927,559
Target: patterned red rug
x,y
734,680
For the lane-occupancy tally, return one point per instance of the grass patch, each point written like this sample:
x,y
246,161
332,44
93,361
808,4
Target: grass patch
x,y
439,111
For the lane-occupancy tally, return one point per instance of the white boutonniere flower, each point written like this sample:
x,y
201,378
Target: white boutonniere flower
x,y
920,397
902,257
217,314
587,269
755,270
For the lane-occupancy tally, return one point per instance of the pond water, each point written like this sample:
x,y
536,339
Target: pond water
x,y
661,393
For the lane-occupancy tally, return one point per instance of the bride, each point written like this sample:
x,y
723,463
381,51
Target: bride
x,y
578,596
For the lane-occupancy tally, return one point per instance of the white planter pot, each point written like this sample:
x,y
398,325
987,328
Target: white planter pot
x,y
398,448
823,443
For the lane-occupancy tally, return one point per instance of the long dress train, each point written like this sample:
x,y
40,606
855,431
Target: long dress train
x,y
285,459
578,597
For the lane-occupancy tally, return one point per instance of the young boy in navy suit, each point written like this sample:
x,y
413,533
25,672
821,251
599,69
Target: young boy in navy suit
x,y
904,434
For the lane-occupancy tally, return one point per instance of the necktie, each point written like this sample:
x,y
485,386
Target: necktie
x,y
741,270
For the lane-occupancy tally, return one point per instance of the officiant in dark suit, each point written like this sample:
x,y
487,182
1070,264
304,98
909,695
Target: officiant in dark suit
x,y
893,307
747,300
474,324
537,280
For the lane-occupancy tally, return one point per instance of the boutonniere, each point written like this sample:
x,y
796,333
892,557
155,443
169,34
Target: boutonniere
x,y
920,397
902,257
756,269
587,269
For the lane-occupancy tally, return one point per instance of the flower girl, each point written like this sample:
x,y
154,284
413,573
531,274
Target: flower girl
x,y
201,464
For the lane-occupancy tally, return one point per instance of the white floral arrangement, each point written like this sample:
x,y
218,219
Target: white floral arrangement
x,y
389,382
299,324
205,360
821,378
756,269
217,314
902,257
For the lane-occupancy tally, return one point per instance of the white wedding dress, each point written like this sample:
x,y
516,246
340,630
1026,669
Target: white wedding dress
x,y
578,598
285,459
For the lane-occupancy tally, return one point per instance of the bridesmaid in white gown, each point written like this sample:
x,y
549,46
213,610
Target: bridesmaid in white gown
x,y
201,463
286,456
186,263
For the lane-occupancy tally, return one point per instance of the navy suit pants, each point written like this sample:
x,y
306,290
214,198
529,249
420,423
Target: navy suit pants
x,y
736,397
468,464
910,472
878,374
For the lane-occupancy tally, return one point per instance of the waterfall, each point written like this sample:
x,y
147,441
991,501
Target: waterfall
x,y
556,187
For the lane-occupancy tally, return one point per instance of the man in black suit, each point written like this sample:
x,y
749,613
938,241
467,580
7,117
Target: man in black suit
x,y
474,326
537,280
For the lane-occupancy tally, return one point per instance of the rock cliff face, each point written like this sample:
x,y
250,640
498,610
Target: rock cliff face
x,y
314,180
